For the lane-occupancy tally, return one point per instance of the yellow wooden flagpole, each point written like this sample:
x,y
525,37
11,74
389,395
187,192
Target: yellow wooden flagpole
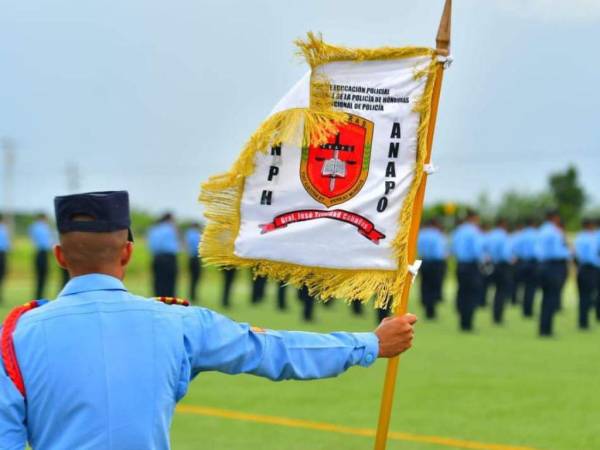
x,y
387,397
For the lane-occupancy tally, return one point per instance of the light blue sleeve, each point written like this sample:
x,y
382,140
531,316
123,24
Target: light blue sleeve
x,y
4,239
560,248
13,433
172,239
444,249
479,245
151,240
509,249
214,342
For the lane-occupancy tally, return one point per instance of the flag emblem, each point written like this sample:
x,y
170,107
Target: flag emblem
x,y
336,171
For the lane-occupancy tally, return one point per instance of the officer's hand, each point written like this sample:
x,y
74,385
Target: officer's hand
x,y
395,335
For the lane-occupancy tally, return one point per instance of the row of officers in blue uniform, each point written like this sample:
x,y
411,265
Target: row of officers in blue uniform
x,y
163,239
515,263
165,242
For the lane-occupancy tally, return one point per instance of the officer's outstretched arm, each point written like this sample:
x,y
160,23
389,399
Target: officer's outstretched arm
x,y
214,342
13,434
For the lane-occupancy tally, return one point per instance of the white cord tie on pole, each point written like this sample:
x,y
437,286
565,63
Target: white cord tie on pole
x,y
429,169
447,60
414,268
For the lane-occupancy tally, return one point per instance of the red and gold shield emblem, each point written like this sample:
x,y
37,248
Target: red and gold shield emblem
x,y
336,171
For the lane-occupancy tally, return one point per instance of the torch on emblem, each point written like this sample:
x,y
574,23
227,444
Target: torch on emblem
x,y
336,171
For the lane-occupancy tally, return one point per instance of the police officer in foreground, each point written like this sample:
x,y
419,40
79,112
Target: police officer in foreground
x,y
467,247
587,257
99,368
554,255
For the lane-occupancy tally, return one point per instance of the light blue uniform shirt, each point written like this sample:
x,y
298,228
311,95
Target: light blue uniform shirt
x,y
41,235
4,238
587,248
104,368
432,244
499,246
162,238
551,243
192,240
524,243
467,243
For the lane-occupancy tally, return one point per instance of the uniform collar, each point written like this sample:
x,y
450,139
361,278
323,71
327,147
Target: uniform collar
x,y
92,282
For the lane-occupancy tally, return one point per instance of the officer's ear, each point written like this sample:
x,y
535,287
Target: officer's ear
x,y
59,256
126,253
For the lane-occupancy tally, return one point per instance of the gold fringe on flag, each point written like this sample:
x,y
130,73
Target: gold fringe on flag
x,y
222,194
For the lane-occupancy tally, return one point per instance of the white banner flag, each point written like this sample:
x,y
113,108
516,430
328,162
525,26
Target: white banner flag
x,y
324,199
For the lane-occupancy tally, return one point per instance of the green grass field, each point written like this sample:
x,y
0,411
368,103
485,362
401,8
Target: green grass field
x,y
500,385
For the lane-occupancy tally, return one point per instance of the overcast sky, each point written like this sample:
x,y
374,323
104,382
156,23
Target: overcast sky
x,y
155,96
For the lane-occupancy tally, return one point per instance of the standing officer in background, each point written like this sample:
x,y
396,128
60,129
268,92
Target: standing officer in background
x,y
164,245
486,267
281,290
4,248
501,256
110,366
308,304
597,299
587,257
524,249
259,285
41,237
467,247
192,242
554,255
228,279
432,248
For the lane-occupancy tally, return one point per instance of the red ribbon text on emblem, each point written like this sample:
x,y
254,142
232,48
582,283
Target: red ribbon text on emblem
x,y
364,226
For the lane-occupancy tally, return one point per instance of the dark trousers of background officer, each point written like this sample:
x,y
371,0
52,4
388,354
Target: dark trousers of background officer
x,y
587,279
195,269
41,272
503,284
308,302
2,272
164,269
382,313
281,290
552,278
486,280
259,285
228,278
597,295
469,293
526,281
357,307
432,276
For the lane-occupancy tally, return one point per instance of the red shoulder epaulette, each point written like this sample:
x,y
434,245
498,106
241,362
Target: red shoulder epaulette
x,y
9,357
173,301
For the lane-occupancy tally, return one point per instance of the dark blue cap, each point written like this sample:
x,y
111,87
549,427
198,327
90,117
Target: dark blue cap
x,y
108,210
